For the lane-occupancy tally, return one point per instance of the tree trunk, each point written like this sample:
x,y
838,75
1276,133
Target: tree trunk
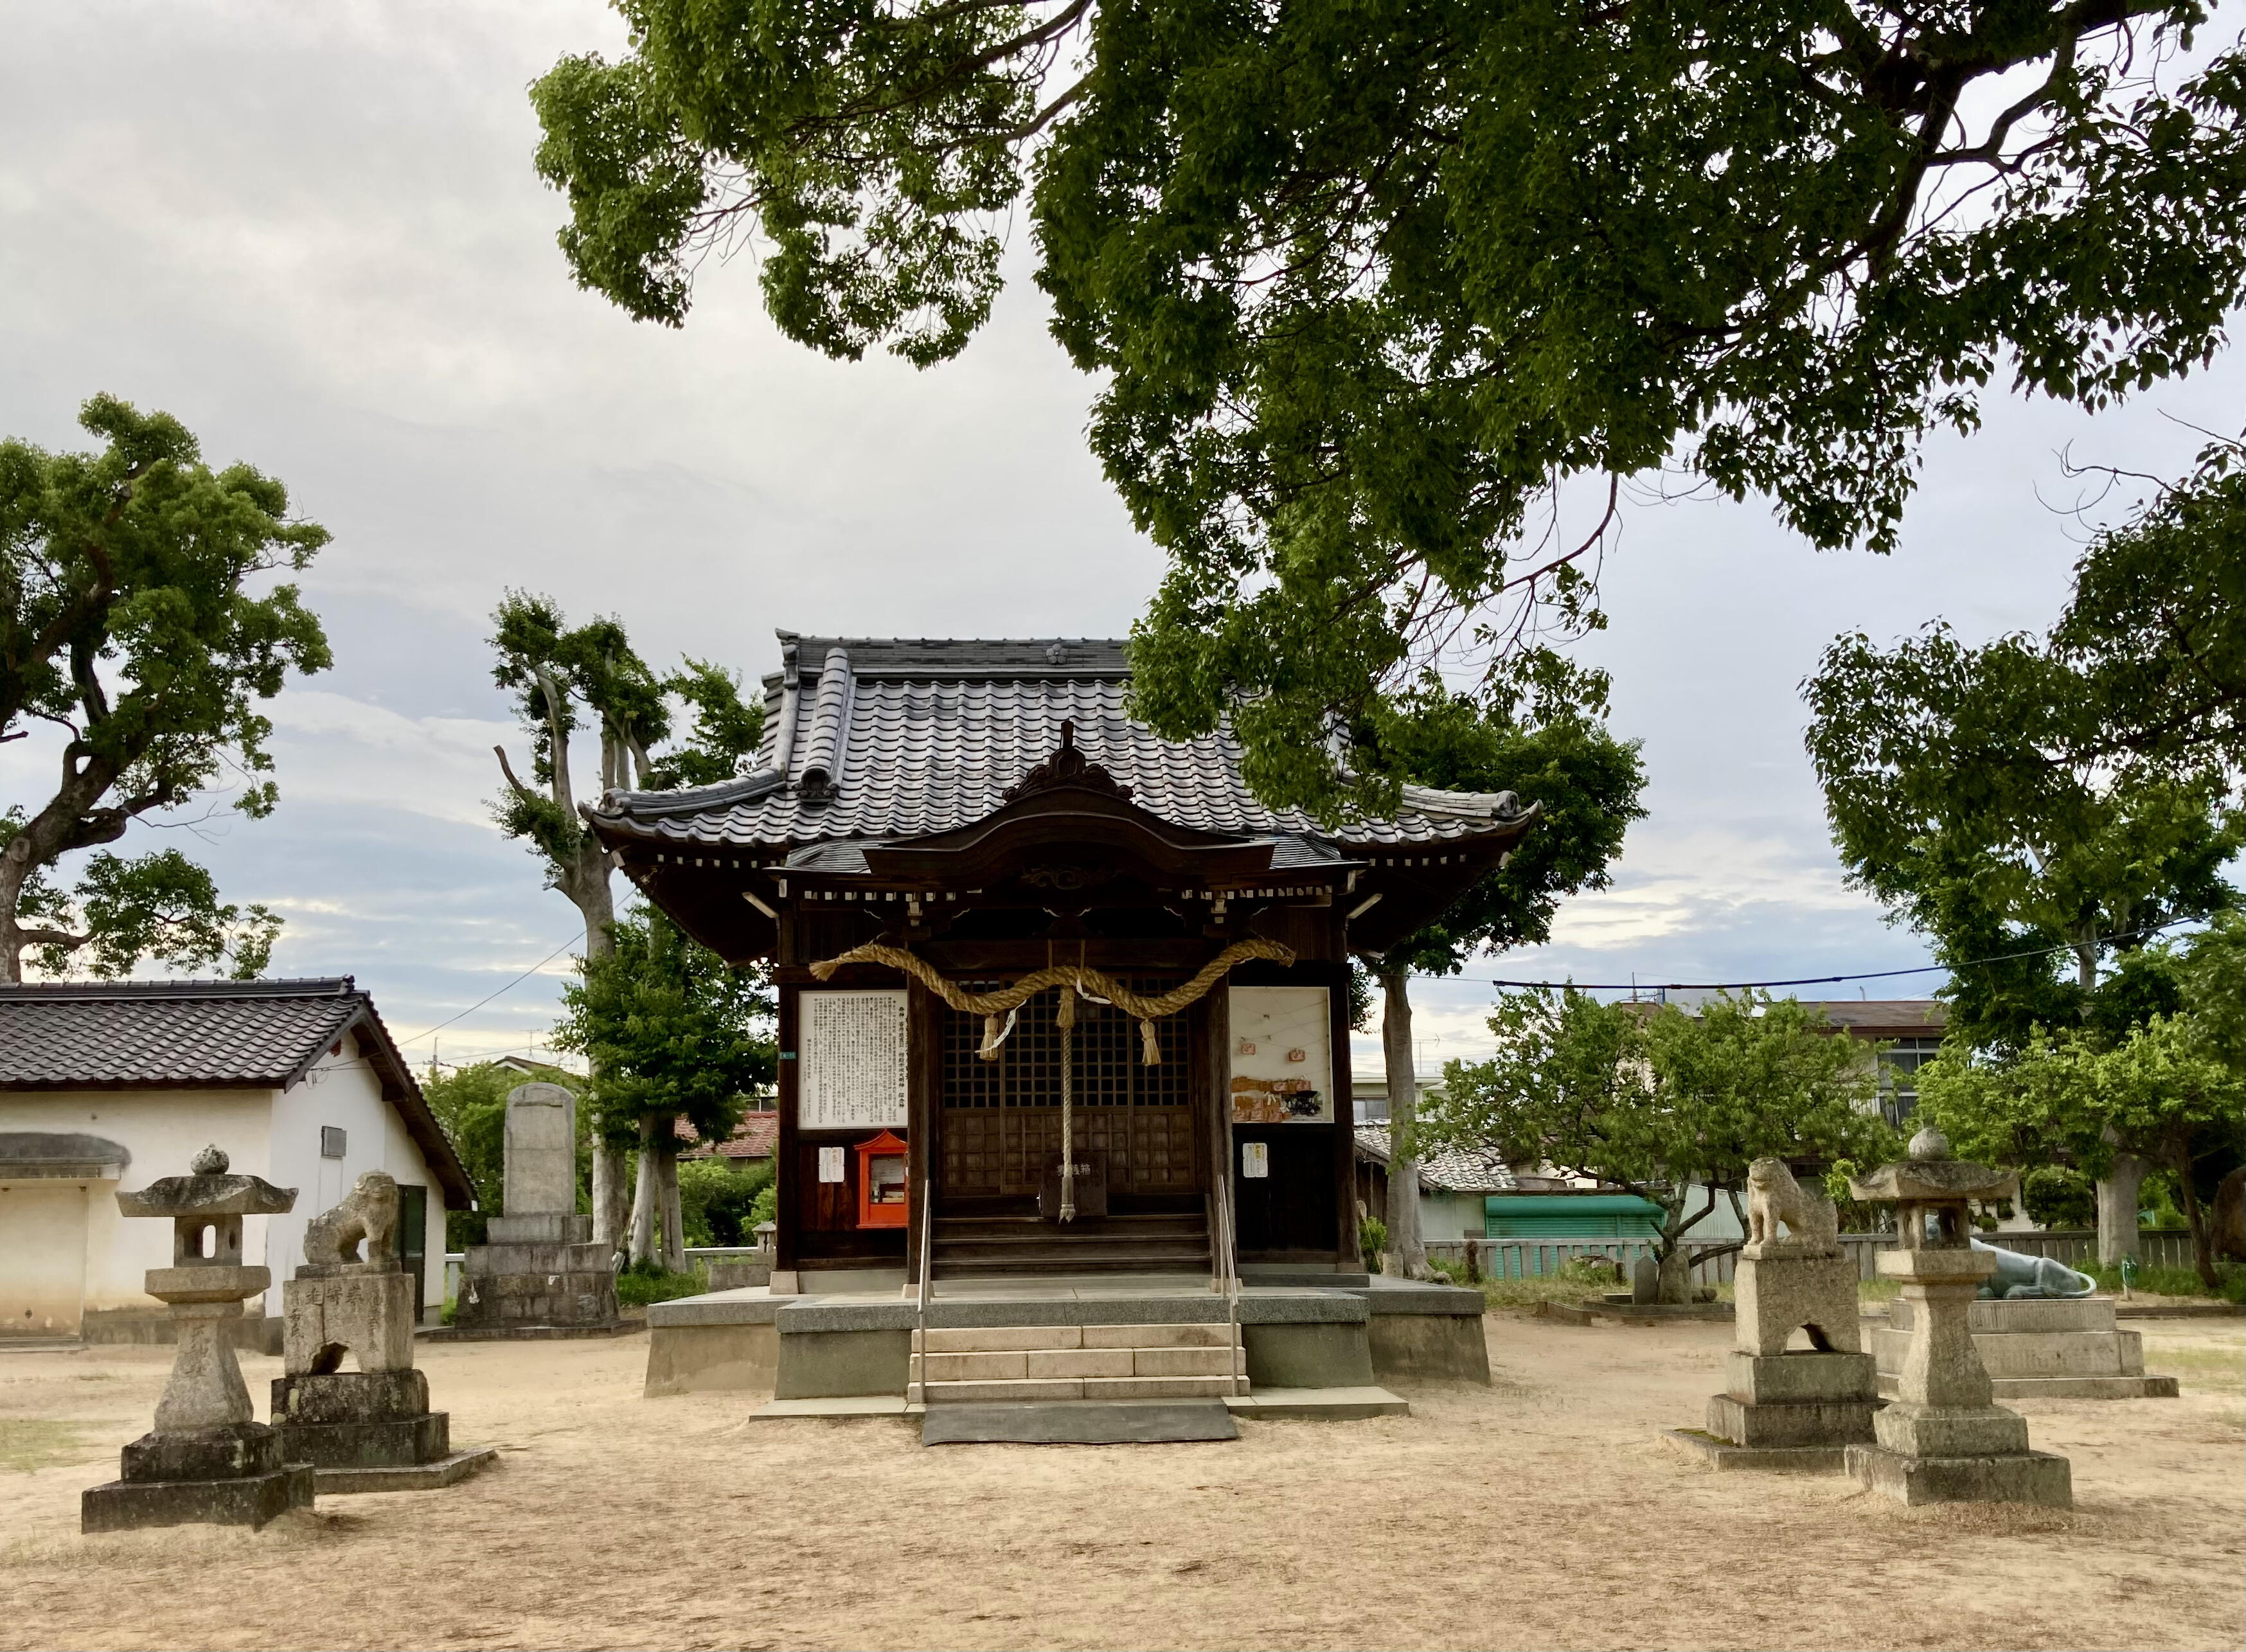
x,y
1407,1256
2117,1207
611,1207
646,1196
2195,1218
674,1230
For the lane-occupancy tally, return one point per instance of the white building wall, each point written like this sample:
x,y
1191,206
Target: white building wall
x,y
343,1091
163,1130
1448,1216
263,1134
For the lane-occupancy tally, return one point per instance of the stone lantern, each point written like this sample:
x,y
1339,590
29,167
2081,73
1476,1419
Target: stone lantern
x,y
1944,1439
208,1460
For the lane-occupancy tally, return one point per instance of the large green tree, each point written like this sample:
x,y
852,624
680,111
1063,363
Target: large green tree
x,y
1366,287
674,1034
563,679
1669,1106
2039,804
1585,784
138,632
2170,1091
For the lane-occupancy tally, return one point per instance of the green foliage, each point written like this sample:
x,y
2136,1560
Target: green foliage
x,y
642,1283
2172,1089
559,675
1372,1240
765,1208
1655,1101
2073,792
1586,785
2056,1196
670,1029
160,905
129,625
715,1200
1367,285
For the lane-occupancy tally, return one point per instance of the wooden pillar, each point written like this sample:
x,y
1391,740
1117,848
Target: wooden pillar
x,y
924,1075
1216,1084
1346,1255
787,1212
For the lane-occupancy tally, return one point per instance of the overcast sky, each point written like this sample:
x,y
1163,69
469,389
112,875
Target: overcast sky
x,y
313,234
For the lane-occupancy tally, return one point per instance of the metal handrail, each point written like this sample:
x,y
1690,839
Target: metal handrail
x,y
1229,1262
927,1267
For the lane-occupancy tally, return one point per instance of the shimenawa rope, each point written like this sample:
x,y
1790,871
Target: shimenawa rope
x,y
1071,978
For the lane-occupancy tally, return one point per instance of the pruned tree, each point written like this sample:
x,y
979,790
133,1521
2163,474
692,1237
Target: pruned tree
x,y
1585,784
2045,801
1661,1104
568,680
674,1034
1367,289
138,630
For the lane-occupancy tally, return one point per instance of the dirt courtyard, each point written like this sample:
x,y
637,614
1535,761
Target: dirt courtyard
x,y
1544,1512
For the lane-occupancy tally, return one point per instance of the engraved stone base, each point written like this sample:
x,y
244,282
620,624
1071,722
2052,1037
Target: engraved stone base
x,y
544,1282
2023,1477
1793,1402
1777,1295
359,1419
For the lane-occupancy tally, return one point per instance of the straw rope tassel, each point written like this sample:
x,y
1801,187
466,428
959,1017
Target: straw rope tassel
x,y
1064,1017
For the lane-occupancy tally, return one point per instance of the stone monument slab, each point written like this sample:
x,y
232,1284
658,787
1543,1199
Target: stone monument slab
x,y
540,1150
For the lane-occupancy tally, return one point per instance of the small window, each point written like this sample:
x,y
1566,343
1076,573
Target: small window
x,y
331,1141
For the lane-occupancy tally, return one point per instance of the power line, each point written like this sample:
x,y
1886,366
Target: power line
x,y
480,1003
1821,981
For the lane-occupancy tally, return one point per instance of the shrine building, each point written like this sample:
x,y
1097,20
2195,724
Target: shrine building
x,y
1059,999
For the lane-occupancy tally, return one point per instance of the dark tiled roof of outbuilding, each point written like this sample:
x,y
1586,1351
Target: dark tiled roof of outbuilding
x,y
206,1035
905,739
1888,1017
1448,1170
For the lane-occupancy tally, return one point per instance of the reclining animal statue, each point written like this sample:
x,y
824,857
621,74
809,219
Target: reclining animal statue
x,y
2019,1276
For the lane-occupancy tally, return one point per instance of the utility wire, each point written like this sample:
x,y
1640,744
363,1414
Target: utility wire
x,y
480,1003
1819,981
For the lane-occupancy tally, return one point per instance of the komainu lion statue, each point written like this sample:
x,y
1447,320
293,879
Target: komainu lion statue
x,y
369,1214
1774,1196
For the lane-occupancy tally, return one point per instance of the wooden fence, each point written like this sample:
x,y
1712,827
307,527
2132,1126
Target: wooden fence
x,y
1715,1263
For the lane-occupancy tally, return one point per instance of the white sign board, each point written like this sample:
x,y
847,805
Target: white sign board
x,y
832,1165
1256,1161
1282,1056
850,1065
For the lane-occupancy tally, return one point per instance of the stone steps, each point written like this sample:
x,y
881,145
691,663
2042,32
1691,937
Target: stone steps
x,y
1015,1362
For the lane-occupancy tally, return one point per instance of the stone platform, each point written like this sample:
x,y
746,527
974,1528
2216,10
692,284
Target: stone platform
x,y
540,1271
448,1470
2049,1348
842,1345
232,1475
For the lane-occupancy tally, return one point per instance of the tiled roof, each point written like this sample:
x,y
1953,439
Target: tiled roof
x,y
207,1035
755,1137
868,738
1888,1017
86,1035
1450,1170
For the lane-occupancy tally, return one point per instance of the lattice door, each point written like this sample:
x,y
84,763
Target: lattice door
x,y
1002,1119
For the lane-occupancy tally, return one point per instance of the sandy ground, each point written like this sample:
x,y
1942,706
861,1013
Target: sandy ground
x,y
1543,1512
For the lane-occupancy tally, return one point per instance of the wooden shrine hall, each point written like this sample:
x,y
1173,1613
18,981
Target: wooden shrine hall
x,y
994,907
